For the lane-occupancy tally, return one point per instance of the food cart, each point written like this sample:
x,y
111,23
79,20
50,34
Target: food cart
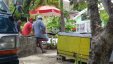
x,y
75,45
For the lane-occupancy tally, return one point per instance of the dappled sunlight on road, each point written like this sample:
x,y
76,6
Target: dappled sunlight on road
x,y
46,58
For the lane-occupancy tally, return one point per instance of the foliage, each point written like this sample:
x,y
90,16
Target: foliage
x,y
78,5
104,16
32,4
69,25
66,14
16,14
53,2
53,24
11,7
68,22
37,3
26,6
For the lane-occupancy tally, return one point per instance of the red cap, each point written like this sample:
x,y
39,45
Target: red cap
x,y
30,20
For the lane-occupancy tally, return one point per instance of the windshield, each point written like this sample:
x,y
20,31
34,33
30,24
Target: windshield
x,y
3,7
7,26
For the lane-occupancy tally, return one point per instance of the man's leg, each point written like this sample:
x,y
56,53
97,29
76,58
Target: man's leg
x,y
37,42
41,47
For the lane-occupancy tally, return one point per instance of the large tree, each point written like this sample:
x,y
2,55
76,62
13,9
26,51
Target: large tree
x,y
102,38
102,42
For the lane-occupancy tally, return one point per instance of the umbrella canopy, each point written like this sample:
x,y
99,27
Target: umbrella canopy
x,y
46,11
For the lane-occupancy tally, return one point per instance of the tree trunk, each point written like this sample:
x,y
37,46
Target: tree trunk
x,y
62,23
102,44
94,16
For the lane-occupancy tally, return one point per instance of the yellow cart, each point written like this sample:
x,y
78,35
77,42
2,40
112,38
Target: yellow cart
x,y
74,46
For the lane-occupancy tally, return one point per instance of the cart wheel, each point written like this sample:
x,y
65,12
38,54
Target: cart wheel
x,y
63,58
59,59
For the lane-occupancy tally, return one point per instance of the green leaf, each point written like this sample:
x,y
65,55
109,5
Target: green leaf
x,y
104,16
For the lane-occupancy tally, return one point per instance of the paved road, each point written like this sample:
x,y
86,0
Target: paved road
x,y
46,58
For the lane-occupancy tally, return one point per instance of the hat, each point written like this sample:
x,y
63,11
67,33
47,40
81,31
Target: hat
x,y
39,17
30,19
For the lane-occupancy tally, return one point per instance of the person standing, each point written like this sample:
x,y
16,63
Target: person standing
x,y
27,28
19,26
38,30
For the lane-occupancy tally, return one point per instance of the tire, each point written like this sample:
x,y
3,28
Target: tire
x,y
12,62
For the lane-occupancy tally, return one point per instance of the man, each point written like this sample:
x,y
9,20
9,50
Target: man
x,y
27,28
19,26
39,29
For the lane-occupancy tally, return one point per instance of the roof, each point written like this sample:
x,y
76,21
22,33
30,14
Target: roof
x,y
80,13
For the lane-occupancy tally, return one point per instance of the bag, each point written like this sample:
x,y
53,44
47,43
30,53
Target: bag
x,y
45,37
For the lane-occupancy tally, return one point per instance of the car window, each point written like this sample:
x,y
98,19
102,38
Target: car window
x,y
3,7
